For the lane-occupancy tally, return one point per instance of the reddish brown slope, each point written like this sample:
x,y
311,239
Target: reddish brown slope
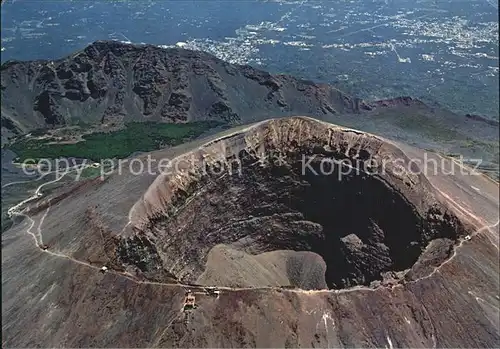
x,y
446,301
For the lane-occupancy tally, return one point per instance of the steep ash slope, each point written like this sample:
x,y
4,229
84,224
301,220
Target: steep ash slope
x,y
434,238
112,82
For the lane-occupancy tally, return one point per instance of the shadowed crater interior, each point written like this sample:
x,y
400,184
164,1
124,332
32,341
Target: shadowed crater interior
x,y
288,221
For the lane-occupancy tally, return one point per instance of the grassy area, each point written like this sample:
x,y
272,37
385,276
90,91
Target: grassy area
x,y
427,126
136,136
90,172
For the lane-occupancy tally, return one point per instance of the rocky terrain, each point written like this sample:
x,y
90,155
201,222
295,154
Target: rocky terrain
x,y
393,258
315,234
111,82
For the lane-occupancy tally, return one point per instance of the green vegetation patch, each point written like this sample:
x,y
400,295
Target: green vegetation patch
x,y
135,137
429,127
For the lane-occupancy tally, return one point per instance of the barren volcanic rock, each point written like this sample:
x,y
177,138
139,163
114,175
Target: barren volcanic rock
x,y
316,235
112,82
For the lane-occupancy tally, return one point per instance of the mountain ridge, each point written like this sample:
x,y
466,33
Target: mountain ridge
x,y
110,81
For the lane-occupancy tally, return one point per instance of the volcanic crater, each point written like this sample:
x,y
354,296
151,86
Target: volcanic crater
x,y
274,207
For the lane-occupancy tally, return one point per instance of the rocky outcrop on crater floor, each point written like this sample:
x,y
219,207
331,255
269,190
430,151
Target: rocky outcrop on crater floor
x,y
113,82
